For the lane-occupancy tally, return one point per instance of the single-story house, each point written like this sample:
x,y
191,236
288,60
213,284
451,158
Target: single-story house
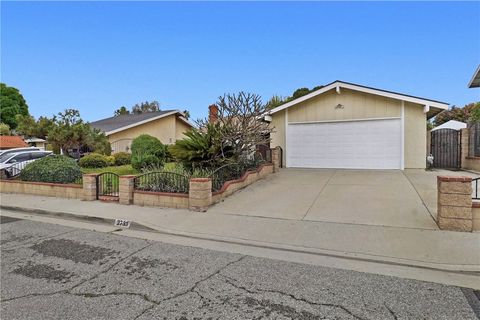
x,y
451,124
168,126
10,142
37,142
346,125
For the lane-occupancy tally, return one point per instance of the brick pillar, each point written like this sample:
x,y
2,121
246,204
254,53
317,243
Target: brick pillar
x,y
454,210
89,187
125,189
200,194
464,151
276,159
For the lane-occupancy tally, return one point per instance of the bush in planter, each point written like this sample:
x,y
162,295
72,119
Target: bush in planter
x,y
54,169
110,160
147,151
122,158
93,160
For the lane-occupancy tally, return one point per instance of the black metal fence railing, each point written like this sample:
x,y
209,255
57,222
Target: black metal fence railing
x,y
108,184
232,171
161,181
475,194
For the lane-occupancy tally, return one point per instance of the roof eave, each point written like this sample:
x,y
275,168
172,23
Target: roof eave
x,y
351,86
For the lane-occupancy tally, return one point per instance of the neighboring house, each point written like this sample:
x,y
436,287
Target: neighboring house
x,y
452,124
475,82
168,126
37,142
346,125
10,142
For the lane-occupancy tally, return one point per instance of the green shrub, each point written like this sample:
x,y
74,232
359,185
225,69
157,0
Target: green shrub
x,y
94,160
110,160
55,169
122,158
147,151
202,148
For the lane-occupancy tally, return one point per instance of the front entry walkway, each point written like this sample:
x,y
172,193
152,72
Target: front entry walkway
x,y
369,197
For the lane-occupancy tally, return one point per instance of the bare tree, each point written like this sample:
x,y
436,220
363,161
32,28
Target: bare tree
x,y
240,117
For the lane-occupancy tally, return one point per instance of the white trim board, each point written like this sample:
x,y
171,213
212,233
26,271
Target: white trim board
x,y
351,86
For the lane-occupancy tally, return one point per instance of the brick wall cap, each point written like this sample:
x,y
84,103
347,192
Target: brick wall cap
x,y
200,179
454,179
51,184
476,204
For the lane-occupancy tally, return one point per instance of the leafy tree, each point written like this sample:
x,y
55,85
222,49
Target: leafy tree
x,y
146,107
299,93
237,132
121,110
455,113
31,128
274,102
12,103
4,129
69,131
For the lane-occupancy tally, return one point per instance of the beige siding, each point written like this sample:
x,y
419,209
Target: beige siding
x,y
180,128
415,136
278,135
164,129
356,105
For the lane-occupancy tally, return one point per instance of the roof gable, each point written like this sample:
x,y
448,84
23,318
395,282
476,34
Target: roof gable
x,y
122,122
337,85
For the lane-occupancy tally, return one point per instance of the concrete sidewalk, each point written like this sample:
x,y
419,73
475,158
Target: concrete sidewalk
x,y
432,249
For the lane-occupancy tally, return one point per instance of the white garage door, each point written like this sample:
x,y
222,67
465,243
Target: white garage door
x,y
372,144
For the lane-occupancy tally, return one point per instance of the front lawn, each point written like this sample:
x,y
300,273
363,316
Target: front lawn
x,y
120,170
123,170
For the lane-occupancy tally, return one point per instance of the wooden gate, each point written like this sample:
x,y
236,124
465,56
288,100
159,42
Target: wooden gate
x,y
446,148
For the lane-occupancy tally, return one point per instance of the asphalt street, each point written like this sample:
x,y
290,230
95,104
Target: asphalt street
x,y
50,271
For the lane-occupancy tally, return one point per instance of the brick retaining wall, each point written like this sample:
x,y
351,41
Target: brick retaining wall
x,y
70,191
160,199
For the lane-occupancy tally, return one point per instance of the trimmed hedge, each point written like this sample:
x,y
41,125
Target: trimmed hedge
x,y
54,169
122,158
147,151
94,160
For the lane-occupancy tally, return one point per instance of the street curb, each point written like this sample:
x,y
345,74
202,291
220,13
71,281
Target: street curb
x,y
458,269
76,217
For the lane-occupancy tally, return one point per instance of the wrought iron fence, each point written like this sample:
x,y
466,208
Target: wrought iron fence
x,y
108,184
475,194
232,171
161,181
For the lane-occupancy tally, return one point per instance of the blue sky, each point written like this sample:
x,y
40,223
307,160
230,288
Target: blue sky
x,y
98,56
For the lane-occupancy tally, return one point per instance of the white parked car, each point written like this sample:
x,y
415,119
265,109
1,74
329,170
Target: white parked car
x,y
11,164
16,150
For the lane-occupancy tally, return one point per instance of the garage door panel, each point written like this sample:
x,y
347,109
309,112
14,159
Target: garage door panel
x,y
358,144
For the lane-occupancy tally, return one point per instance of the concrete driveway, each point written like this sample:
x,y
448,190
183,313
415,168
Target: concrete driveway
x,y
369,197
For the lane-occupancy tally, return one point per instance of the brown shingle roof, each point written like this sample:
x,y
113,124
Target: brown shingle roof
x,y
7,142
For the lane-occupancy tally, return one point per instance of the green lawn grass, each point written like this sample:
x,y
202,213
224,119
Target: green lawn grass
x,y
120,170
123,170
